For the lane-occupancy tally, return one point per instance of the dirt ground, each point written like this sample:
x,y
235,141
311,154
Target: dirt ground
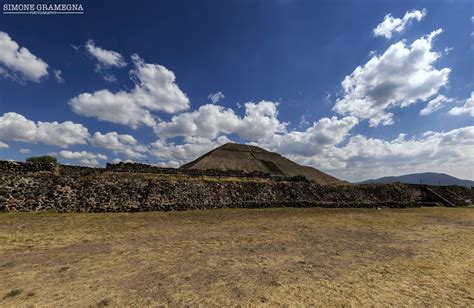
x,y
287,256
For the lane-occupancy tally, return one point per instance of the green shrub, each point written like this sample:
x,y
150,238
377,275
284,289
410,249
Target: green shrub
x,y
42,159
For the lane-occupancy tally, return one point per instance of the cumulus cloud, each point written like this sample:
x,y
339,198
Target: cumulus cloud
x,y
435,104
216,97
125,144
85,158
325,133
18,62
168,164
176,154
391,25
25,151
120,107
61,134
89,162
467,108
210,120
207,127
16,127
155,90
400,77
3,145
118,160
260,121
326,145
364,157
81,155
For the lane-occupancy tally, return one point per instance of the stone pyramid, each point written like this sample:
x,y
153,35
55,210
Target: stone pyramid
x,y
249,158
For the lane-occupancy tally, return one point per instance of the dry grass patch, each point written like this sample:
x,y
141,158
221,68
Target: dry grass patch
x,y
250,257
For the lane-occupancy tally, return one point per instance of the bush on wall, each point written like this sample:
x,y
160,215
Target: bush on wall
x,y
42,159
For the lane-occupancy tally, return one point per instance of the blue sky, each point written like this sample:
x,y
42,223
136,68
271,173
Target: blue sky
x,y
136,77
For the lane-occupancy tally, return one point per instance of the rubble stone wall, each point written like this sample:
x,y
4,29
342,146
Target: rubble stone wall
x,y
144,168
25,187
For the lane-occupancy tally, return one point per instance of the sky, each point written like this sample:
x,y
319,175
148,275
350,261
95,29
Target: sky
x,y
357,89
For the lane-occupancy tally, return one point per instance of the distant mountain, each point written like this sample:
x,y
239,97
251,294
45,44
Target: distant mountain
x,y
429,178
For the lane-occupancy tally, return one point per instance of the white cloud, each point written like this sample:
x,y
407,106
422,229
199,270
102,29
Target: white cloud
x,y
206,127
62,134
119,107
168,164
25,151
155,90
325,133
400,77
90,162
435,104
18,62
112,140
3,145
175,154
58,76
468,107
390,24
105,57
324,145
16,127
216,97
364,157
125,144
118,160
85,158
81,155
260,121
209,121
156,87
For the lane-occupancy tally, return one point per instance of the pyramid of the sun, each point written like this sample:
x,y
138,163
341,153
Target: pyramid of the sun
x,y
248,158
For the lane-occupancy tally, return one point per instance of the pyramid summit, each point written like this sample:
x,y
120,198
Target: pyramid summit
x,y
250,158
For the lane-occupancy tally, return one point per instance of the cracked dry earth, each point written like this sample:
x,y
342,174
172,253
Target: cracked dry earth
x,y
287,256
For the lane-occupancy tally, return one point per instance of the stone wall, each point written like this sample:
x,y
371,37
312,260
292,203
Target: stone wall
x,y
24,167
144,168
25,187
